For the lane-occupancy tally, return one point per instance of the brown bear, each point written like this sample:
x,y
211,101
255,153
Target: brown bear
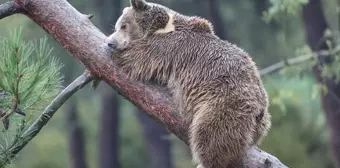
x,y
215,84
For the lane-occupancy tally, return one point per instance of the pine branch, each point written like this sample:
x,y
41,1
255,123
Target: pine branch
x,y
15,99
9,8
49,111
87,45
292,61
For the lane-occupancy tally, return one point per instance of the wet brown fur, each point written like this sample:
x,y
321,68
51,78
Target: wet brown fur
x,y
215,84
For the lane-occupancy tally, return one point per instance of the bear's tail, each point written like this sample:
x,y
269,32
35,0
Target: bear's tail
x,y
219,139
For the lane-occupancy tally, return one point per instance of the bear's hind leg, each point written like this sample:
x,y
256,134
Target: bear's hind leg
x,y
219,139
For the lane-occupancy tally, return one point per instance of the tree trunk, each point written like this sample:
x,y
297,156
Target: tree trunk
x,y
76,138
75,128
158,147
109,132
315,26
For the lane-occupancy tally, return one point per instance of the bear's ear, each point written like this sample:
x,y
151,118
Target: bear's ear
x,y
139,4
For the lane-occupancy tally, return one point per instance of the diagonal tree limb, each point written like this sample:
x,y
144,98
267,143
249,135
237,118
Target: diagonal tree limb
x,y
74,32
9,8
86,43
49,111
292,61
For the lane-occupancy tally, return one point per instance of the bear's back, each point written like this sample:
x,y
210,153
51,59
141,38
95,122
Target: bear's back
x,y
200,55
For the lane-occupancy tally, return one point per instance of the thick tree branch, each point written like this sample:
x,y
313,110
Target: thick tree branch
x,y
49,111
86,43
9,8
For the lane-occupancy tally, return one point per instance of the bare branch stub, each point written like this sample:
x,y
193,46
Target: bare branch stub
x,y
87,44
89,16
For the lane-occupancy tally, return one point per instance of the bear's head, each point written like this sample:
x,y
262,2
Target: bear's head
x,y
140,20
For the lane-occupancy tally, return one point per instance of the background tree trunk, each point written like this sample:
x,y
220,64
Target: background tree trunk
x,y
315,26
76,137
157,145
109,130
109,12
109,122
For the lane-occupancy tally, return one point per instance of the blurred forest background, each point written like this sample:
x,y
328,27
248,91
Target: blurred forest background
x,y
99,129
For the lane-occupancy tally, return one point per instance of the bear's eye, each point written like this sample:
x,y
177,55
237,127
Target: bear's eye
x,y
123,27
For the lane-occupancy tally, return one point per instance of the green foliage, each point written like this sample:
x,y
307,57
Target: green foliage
x,y
29,80
298,124
328,70
330,38
266,43
331,70
287,7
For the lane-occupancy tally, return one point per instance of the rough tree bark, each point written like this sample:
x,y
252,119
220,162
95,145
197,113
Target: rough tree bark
x,y
315,26
74,32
